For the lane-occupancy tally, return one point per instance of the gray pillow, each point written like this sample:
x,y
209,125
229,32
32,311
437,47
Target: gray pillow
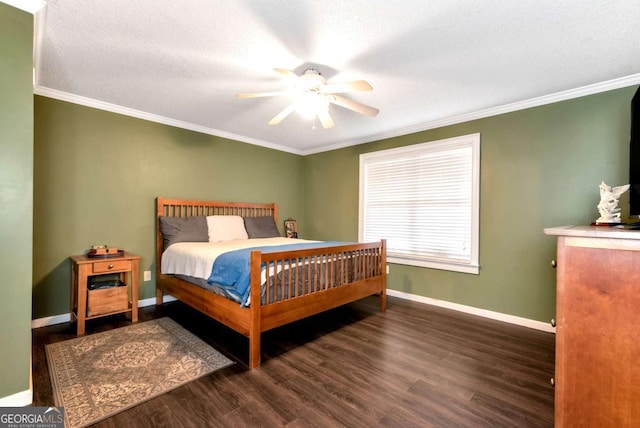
x,y
261,227
183,229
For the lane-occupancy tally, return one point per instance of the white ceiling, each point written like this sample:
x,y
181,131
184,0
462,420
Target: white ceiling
x,y
430,63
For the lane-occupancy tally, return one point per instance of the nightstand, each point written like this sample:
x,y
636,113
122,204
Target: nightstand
x,y
88,304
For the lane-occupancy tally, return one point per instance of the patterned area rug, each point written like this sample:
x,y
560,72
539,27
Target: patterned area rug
x,y
96,376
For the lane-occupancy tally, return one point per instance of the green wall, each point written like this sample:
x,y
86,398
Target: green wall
x,y
540,167
16,200
97,175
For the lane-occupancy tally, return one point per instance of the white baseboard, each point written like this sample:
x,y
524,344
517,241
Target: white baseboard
x,y
56,319
19,399
62,318
152,301
511,319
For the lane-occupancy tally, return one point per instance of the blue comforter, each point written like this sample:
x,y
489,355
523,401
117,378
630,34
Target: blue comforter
x,y
231,270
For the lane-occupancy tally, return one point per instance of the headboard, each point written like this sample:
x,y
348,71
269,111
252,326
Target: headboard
x,y
188,208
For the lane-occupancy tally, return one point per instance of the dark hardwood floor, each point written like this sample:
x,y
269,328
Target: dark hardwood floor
x,y
413,366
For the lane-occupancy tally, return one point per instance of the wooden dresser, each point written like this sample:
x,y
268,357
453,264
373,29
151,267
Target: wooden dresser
x,y
597,376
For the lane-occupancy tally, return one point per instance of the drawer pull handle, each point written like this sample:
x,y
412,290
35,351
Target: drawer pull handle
x,y
553,322
110,266
553,264
552,381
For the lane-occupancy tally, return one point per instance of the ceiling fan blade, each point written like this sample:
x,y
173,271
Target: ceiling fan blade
x,y
280,116
354,86
285,71
325,119
353,105
261,94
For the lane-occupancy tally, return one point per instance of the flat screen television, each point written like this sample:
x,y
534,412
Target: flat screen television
x,y
634,158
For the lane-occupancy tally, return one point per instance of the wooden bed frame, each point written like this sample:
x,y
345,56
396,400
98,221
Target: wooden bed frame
x,y
342,274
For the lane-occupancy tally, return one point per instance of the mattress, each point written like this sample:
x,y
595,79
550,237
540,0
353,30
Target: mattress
x,y
193,261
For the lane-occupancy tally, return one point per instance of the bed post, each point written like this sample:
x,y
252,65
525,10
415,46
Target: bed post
x,y
254,310
159,246
383,291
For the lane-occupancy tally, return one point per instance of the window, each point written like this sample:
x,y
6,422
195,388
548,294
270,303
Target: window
x,y
424,200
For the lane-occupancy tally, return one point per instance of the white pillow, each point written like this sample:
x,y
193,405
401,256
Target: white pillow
x,y
226,228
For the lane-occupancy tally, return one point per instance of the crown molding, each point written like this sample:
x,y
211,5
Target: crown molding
x,y
583,91
596,88
113,108
31,6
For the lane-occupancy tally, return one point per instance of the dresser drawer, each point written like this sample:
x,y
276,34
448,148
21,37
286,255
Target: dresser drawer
x,y
111,266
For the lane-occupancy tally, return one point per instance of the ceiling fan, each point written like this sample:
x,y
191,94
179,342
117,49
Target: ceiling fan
x,y
311,95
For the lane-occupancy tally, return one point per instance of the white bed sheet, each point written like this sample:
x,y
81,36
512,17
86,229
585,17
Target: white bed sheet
x,y
196,258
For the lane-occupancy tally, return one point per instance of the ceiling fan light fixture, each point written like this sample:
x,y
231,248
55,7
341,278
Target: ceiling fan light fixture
x,y
310,81
311,95
308,104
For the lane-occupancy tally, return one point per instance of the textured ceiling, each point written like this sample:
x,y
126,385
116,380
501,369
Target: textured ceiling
x,y
430,63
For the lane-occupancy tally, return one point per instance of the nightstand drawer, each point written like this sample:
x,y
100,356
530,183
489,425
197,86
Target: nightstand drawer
x,y
111,266
106,301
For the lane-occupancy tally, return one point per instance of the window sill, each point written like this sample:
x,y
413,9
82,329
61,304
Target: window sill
x,y
432,264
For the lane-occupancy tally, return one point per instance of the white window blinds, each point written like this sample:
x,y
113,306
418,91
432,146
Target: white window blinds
x,y
423,200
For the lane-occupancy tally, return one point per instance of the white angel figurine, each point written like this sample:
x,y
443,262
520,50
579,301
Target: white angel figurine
x,y
608,206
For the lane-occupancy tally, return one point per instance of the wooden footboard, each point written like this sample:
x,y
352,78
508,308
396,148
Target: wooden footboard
x,y
300,283
309,281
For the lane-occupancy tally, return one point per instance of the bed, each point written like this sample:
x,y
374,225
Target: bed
x,y
289,283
